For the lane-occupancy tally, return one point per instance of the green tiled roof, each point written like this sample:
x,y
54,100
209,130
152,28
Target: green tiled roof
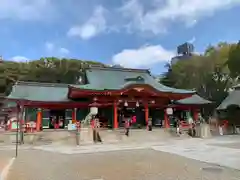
x,y
232,99
34,91
116,78
98,79
194,99
8,104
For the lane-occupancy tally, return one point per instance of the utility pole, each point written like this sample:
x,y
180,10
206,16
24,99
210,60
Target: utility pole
x,y
17,133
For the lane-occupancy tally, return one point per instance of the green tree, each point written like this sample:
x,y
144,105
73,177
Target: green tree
x,y
207,74
49,69
233,62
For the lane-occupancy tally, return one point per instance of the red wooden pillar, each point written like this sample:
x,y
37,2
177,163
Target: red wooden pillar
x,y
166,120
74,116
39,120
115,116
146,113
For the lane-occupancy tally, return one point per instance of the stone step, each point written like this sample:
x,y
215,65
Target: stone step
x,y
86,136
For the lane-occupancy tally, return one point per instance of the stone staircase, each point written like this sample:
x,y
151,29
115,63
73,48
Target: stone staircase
x,y
53,137
64,137
135,135
142,135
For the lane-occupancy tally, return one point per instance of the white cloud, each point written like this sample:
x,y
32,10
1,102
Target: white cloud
x,y
26,9
64,51
19,59
95,25
143,57
192,40
54,50
157,18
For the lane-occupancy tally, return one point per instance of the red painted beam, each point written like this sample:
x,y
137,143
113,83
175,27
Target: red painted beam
x,y
130,90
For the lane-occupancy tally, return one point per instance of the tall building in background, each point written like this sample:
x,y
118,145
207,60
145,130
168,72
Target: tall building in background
x,y
184,52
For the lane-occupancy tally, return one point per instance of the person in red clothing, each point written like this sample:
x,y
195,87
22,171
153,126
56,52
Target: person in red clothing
x,y
127,126
97,127
95,124
134,119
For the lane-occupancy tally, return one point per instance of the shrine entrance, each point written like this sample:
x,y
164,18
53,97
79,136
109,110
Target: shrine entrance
x,y
57,119
130,112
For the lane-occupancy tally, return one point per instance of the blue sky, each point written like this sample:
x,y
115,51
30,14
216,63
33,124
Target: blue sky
x,y
132,33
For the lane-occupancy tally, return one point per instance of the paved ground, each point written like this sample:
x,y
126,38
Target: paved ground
x,y
229,145
232,141
221,150
144,164
215,150
5,157
128,161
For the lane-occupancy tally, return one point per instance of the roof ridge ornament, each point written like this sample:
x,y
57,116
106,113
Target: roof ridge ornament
x,y
45,84
139,89
138,78
118,69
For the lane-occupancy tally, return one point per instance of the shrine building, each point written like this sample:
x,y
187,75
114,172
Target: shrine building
x,y
114,91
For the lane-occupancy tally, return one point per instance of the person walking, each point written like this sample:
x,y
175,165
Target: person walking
x,y
193,129
178,126
127,126
97,128
93,126
149,125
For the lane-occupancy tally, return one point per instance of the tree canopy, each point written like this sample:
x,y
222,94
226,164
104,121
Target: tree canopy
x,y
210,74
48,69
234,61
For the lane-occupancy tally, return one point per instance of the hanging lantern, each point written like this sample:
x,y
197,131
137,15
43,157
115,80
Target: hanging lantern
x,y
125,104
153,102
137,104
93,110
94,99
169,111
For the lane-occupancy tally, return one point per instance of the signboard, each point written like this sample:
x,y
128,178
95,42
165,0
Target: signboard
x,y
14,125
72,127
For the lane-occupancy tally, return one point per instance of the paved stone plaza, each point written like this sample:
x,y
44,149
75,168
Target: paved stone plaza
x,y
144,164
5,158
129,161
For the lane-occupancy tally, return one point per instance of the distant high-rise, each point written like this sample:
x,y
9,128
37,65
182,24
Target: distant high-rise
x,y
184,51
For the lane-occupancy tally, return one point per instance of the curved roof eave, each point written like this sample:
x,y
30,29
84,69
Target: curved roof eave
x,y
193,100
232,99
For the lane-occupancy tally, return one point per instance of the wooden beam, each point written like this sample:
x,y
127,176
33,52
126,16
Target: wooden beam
x,y
132,89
